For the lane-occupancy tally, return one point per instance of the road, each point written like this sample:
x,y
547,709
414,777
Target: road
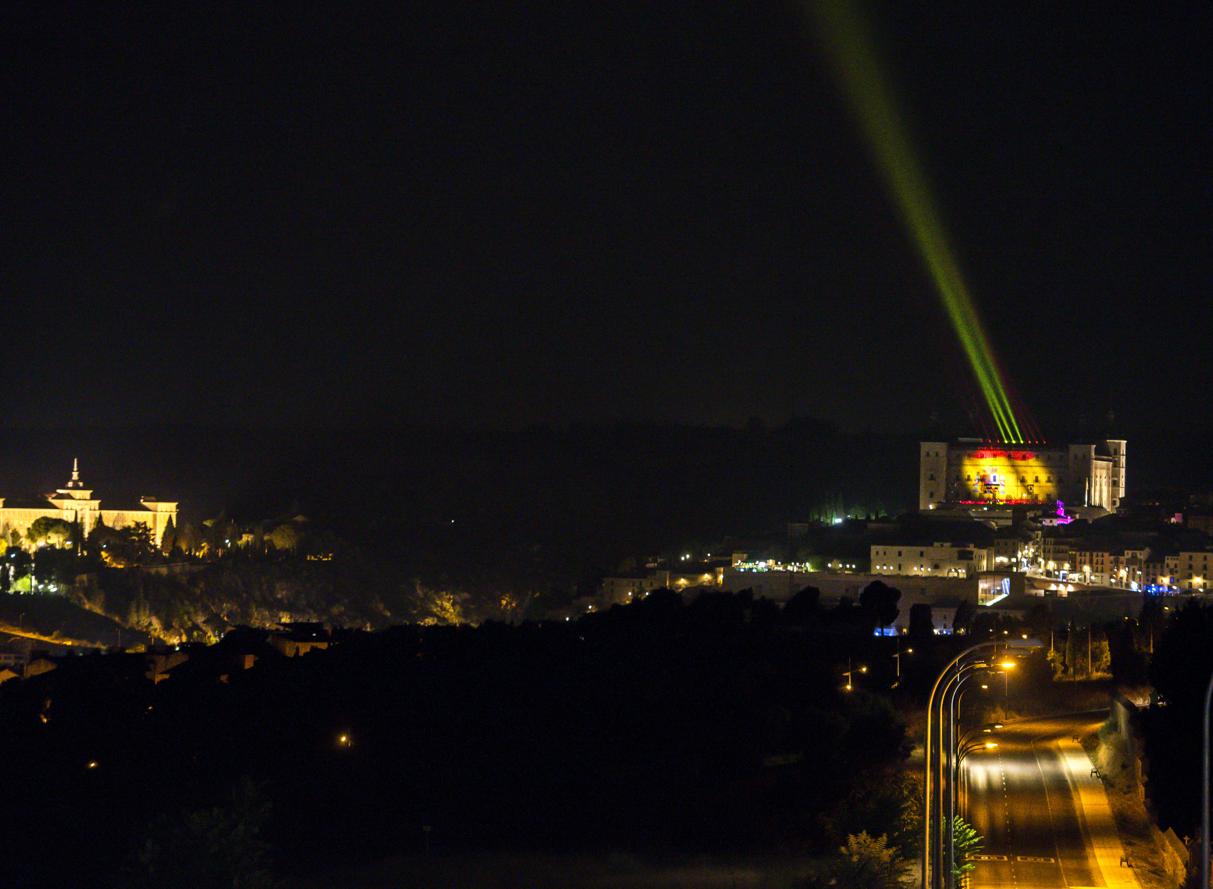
x,y
1046,820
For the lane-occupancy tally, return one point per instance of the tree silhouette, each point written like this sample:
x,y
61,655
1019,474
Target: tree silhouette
x,y
869,863
879,603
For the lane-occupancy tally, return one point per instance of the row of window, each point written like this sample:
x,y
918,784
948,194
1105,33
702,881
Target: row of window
x,y
960,554
1023,479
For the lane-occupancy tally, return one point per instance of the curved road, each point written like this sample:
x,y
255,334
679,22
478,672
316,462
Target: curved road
x,y
1045,818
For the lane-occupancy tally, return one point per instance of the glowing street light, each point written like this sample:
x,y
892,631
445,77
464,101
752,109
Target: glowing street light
x,y
946,677
983,745
849,673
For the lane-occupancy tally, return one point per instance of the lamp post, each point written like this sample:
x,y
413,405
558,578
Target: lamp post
x,y
950,700
926,751
1204,795
983,745
954,772
962,781
944,763
849,671
897,657
928,800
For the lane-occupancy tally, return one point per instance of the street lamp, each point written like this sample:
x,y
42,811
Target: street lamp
x,y
953,700
981,745
1004,666
988,729
897,656
959,670
927,737
956,745
1204,795
947,741
953,770
848,673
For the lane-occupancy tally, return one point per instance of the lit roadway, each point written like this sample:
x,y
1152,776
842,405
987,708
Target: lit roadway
x,y
1044,816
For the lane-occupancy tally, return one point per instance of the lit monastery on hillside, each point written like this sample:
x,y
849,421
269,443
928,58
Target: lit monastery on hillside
x,y
75,503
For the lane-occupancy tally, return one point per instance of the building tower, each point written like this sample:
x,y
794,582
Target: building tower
x,y
75,482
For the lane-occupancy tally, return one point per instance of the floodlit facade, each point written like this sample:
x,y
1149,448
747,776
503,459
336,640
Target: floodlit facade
x,y
1190,570
637,584
973,472
936,560
75,504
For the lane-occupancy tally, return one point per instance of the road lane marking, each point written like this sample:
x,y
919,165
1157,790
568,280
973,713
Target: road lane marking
x,y
1044,785
1038,859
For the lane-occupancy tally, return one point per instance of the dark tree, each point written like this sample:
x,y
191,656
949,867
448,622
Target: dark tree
x,y
963,621
922,629
879,603
169,540
802,610
1179,669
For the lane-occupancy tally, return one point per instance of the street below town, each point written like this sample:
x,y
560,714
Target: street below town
x,y
1043,812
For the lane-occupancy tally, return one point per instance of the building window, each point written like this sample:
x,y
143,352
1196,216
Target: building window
x,y
931,477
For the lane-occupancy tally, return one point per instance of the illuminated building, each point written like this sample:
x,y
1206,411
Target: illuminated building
x,y
75,504
972,472
936,560
1190,570
637,584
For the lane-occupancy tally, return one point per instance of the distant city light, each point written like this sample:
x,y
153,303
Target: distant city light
x,y
764,565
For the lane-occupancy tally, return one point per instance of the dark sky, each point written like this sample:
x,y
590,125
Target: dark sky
x,y
281,213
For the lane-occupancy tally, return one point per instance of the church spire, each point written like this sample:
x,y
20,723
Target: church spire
x,y
75,482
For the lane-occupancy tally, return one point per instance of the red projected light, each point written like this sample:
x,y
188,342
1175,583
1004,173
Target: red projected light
x,y
1013,501
1003,455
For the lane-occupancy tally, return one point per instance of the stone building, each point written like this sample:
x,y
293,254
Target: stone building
x,y
973,472
74,503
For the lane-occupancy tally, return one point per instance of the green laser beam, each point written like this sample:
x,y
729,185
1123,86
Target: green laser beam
x,y
865,85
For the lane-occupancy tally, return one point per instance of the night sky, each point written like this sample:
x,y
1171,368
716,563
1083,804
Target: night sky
x,y
285,213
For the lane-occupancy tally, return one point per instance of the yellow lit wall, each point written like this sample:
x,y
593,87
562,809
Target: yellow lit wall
x,y
1007,475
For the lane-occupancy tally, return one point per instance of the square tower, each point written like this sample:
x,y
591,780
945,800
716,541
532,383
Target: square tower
x,y
932,473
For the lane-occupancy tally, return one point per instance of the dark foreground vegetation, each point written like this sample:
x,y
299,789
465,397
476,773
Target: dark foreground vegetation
x,y
720,725
1179,670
